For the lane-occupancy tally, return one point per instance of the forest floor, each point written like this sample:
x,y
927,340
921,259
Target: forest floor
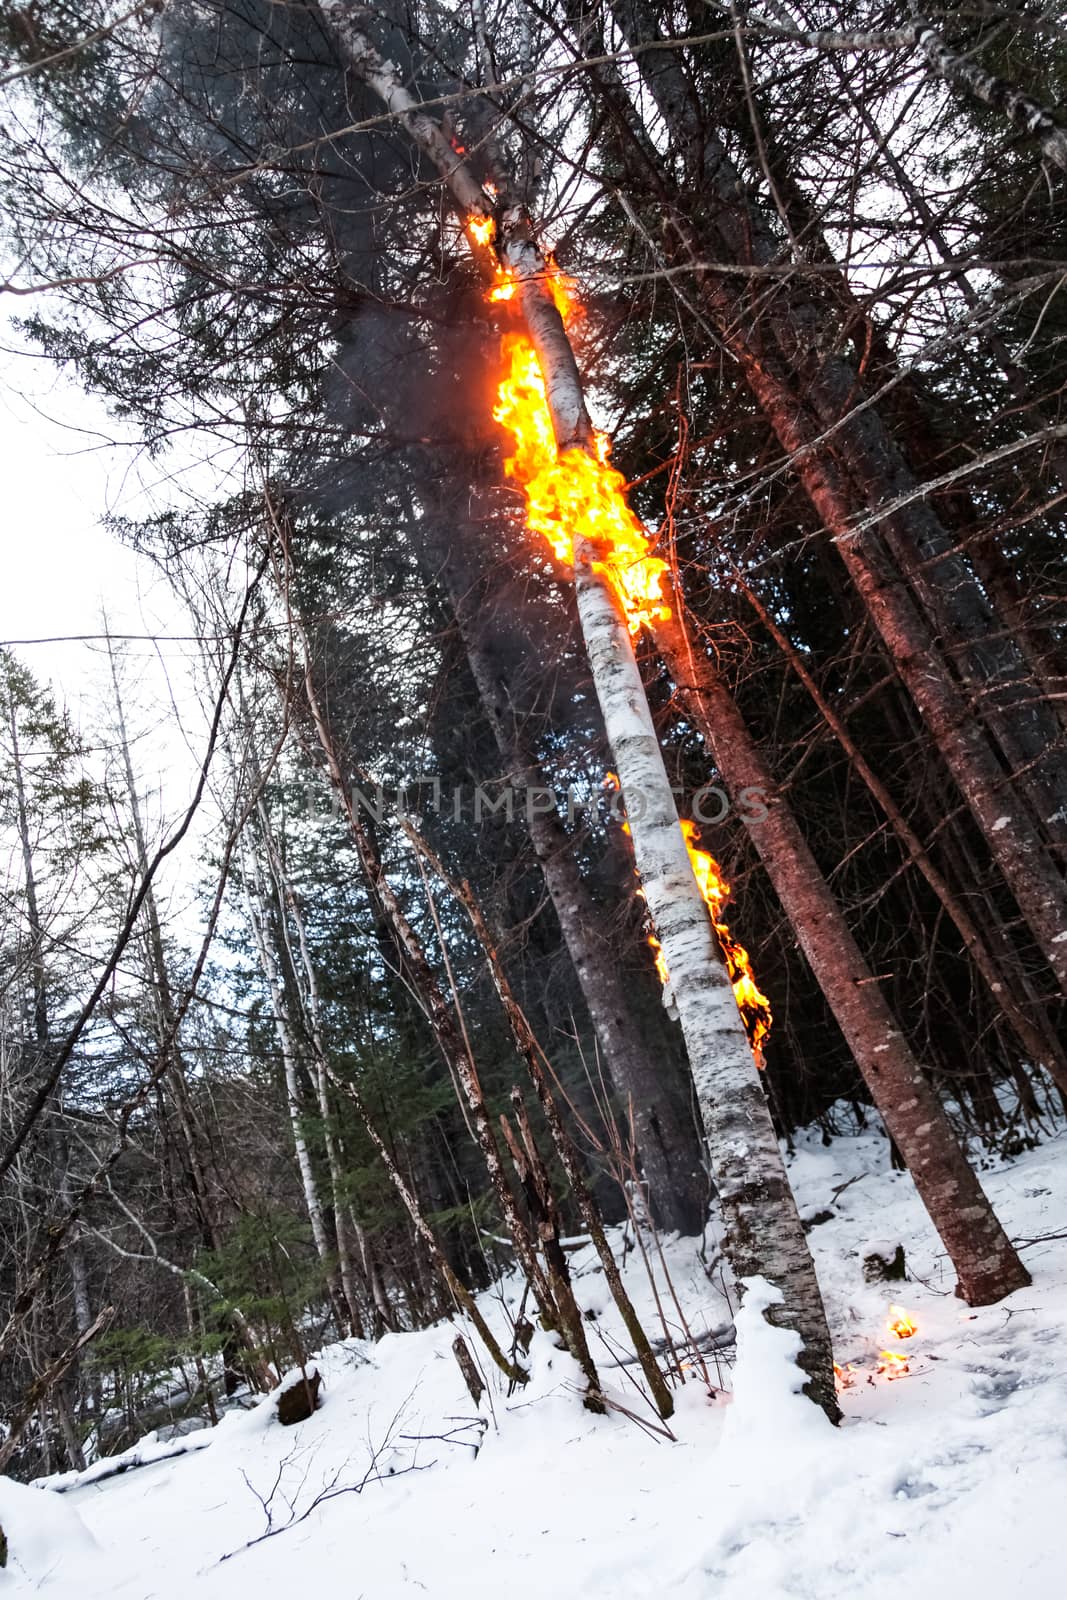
x,y
950,1480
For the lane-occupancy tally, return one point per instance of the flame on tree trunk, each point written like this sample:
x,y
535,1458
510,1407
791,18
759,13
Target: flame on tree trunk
x,y
739,232
752,1003
764,1236
576,501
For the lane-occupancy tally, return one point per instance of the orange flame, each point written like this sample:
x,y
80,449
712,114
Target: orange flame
x,y
482,230
564,291
562,288
900,1323
891,1363
660,959
574,498
752,1003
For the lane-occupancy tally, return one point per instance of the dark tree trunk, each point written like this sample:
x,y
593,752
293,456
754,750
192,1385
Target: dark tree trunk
x,y
668,1143
987,1265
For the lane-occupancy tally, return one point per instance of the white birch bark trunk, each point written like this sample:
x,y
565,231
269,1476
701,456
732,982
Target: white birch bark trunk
x,y
952,66
451,1038
163,998
383,76
308,997
333,1158
996,93
286,1045
385,1312
763,1231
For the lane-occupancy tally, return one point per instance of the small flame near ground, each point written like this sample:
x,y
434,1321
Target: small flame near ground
x,y
891,1363
901,1325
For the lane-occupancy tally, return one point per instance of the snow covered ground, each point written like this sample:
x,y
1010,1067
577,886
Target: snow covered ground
x,y
948,1481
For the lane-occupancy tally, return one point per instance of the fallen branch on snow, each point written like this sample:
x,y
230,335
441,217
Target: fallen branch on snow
x,y
141,1455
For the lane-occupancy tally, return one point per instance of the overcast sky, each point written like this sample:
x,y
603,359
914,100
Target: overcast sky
x,y
61,478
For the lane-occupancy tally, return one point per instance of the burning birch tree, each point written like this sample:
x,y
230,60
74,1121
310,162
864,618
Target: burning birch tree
x,y
567,482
